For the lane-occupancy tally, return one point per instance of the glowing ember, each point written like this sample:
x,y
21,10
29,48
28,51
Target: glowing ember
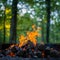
x,y
31,36
11,54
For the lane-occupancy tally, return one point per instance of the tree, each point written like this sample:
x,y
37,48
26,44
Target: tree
x,y
3,18
4,3
48,19
13,22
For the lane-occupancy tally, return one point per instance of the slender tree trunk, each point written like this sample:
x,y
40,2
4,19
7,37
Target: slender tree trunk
x,y
42,30
13,22
48,20
4,27
4,21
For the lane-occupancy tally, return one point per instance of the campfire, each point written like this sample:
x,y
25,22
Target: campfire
x,y
28,47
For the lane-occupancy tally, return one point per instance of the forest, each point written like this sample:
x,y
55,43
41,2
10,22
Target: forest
x,y
18,16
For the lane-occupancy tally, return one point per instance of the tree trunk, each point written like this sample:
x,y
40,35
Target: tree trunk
x,y
4,27
42,30
48,19
4,21
13,22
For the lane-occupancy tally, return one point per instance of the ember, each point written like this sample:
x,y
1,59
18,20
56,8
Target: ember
x,y
30,51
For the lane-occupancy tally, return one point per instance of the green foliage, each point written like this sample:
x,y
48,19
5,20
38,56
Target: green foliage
x,y
25,22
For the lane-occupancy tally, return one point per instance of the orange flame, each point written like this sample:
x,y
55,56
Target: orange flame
x,y
31,35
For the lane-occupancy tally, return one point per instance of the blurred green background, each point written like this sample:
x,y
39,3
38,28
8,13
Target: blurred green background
x,y
30,12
